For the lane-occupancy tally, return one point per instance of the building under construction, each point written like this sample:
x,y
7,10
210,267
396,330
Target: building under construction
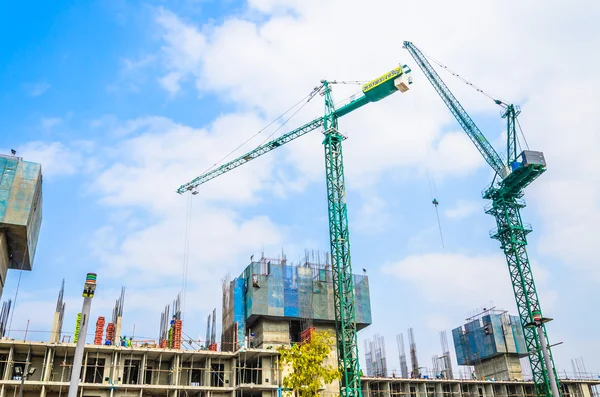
x,y
272,303
20,213
493,343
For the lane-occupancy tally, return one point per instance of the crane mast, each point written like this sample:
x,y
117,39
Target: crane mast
x,y
339,237
505,193
339,241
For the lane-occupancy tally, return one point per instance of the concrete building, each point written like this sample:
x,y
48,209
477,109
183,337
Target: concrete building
x,y
20,213
275,301
270,304
113,371
492,342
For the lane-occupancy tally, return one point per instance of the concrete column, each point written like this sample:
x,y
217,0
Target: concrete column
x,y
439,391
9,363
207,372
488,390
143,369
176,369
367,389
118,331
55,336
386,389
455,387
49,363
585,390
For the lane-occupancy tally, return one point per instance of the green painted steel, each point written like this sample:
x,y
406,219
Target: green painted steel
x,y
343,281
485,148
259,151
352,106
505,192
339,240
510,114
511,233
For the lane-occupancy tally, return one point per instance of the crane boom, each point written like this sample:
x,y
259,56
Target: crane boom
x,y
506,208
485,148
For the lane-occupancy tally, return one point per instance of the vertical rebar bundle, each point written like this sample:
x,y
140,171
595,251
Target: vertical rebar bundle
x,y
60,309
58,315
446,365
402,355
117,317
118,309
207,340
213,334
369,358
164,326
413,354
6,305
375,356
171,326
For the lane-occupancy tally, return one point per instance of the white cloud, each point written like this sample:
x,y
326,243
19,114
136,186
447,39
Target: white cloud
x,y
373,216
133,65
36,89
456,280
57,158
260,65
147,234
49,122
183,49
170,82
464,209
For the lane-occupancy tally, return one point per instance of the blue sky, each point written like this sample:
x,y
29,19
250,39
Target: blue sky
x,y
124,101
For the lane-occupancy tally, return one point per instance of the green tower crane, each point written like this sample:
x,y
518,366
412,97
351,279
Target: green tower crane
x,y
397,79
505,193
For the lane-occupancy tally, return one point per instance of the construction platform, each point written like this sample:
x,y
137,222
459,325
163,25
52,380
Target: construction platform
x,y
114,371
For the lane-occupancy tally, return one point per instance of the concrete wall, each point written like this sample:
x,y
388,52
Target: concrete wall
x,y
270,333
504,367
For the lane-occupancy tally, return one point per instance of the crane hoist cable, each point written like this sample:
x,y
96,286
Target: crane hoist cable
x,y
430,179
494,98
188,217
186,252
306,98
522,134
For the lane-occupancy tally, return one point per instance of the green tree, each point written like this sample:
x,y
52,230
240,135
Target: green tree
x,y
308,372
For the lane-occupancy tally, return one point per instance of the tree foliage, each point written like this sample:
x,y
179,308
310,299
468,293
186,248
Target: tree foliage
x,y
308,371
